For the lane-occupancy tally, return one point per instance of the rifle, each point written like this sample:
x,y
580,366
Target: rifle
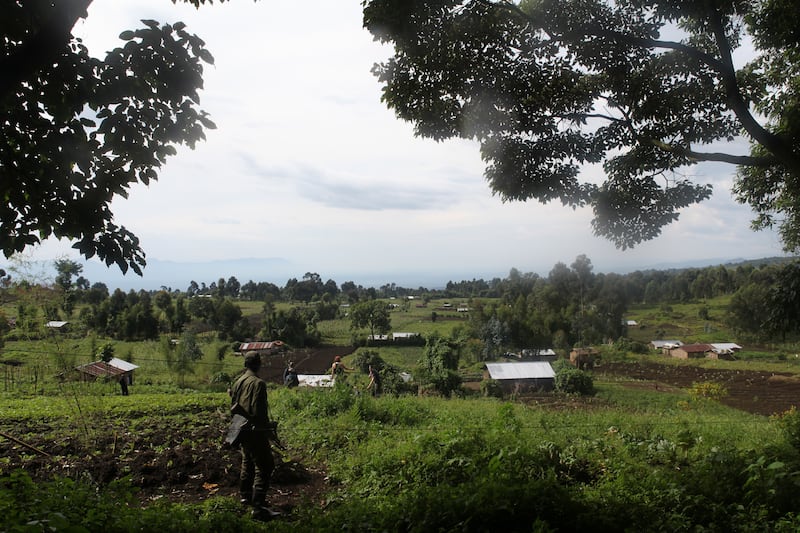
x,y
272,434
240,422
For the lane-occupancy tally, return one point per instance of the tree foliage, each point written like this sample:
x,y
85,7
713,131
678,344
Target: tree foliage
x,y
439,364
642,88
371,314
78,131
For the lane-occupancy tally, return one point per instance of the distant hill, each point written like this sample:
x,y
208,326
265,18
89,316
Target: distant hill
x,y
703,263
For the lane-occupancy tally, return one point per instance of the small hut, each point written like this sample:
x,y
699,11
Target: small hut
x,y
692,351
526,376
261,348
584,358
113,369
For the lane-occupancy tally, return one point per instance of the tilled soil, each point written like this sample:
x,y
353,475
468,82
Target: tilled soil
x,y
763,393
181,461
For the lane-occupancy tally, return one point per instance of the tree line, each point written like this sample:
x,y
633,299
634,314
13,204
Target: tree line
x,y
571,305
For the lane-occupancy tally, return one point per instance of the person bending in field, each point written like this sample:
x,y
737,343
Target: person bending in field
x,y
249,399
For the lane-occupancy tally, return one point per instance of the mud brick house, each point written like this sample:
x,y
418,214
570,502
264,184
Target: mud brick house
x,y
691,351
710,351
584,358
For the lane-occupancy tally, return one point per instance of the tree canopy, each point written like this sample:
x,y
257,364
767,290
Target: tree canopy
x,y
643,88
78,131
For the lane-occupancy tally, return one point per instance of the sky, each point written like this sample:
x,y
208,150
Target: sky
x,y
309,169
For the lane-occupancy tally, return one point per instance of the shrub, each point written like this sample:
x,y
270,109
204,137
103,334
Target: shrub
x,y
707,390
625,344
789,423
366,358
574,381
491,388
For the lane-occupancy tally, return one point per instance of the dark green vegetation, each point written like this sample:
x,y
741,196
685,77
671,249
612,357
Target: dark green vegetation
x,y
78,131
548,87
642,442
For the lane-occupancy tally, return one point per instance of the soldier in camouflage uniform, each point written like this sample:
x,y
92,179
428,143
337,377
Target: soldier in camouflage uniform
x,y
249,399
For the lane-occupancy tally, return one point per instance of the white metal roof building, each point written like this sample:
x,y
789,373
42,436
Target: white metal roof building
x,y
122,364
524,370
527,375
725,347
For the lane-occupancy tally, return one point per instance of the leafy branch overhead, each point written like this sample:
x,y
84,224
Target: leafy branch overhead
x,y
643,88
78,131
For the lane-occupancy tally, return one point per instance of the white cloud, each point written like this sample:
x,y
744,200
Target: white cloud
x,y
308,165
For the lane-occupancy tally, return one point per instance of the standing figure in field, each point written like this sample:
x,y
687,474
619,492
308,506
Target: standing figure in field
x,y
338,368
290,377
123,383
374,385
249,399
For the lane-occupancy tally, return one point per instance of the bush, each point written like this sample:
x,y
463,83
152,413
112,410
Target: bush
x,y
574,381
789,422
491,388
707,390
624,344
366,358
443,381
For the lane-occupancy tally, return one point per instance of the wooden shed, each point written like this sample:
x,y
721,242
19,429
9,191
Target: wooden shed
x,y
113,369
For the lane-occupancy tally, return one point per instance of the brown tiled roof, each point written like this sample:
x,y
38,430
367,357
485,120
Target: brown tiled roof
x,y
99,368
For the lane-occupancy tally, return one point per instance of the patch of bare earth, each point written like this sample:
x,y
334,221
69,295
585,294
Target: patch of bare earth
x,y
763,393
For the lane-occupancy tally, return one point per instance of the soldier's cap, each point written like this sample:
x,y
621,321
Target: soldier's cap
x,y
252,358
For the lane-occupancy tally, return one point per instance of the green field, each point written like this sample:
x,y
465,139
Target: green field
x,y
629,457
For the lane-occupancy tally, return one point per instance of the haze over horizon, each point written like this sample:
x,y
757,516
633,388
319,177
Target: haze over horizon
x,y
179,275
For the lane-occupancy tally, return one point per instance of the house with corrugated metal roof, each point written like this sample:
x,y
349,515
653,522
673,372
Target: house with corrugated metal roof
x,y
527,376
57,325
664,346
113,369
725,348
315,380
